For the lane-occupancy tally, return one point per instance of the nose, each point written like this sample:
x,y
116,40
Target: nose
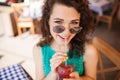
x,y
67,30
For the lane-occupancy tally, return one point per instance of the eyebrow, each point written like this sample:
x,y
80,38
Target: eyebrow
x,y
58,19
75,20
63,20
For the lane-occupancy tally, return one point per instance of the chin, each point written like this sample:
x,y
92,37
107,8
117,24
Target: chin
x,y
60,42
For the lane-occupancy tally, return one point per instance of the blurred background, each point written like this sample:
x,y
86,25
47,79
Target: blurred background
x,y
19,22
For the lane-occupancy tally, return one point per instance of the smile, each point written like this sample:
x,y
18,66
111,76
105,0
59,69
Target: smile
x,y
63,38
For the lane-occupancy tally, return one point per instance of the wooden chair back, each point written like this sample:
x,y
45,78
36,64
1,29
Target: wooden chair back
x,y
108,18
111,53
22,17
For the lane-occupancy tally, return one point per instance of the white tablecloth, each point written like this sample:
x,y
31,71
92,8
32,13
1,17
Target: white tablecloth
x,y
36,9
100,6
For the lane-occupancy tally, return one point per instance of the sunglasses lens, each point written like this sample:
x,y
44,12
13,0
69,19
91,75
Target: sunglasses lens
x,y
58,29
75,30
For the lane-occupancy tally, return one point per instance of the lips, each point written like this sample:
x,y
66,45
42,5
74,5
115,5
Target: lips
x,y
62,37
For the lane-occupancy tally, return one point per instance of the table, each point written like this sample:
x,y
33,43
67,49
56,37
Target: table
x,y
13,72
99,6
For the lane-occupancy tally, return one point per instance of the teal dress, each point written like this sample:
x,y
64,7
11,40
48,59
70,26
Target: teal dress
x,y
48,52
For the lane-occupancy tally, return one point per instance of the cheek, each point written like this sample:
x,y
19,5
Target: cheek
x,y
53,33
50,26
51,29
71,37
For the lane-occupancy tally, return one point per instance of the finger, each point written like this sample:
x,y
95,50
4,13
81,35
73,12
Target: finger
x,y
60,54
74,75
59,58
54,66
55,63
68,79
58,62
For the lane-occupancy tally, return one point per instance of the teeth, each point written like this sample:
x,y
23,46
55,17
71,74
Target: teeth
x,y
63,37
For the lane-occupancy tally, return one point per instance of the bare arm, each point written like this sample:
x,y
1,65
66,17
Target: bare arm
x,y
90,61
37,55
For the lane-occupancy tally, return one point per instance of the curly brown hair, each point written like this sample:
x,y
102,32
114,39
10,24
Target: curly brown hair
x,y
86,21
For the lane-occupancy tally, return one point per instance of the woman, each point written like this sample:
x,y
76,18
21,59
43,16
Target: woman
x,y
65,25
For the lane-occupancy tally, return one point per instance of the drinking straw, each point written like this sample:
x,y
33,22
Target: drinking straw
x,y
65,49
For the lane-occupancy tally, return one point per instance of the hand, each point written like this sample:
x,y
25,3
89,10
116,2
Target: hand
x,y
57,59
74,76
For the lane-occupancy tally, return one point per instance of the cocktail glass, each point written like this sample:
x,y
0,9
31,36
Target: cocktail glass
x,y
64,71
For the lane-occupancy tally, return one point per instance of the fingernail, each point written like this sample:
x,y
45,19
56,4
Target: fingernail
x,y
70,75
66,58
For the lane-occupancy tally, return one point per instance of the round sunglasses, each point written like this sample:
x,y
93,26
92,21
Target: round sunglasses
x,y
60,29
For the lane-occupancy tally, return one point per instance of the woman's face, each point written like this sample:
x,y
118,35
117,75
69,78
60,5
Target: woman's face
x,y
66,19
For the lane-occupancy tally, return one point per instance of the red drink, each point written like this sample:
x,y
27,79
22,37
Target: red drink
x,y
64,71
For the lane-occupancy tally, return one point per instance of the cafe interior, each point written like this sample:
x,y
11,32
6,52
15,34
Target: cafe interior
x,y
19,34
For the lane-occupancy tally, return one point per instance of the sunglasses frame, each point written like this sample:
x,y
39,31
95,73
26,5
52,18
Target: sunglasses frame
x,y
60,29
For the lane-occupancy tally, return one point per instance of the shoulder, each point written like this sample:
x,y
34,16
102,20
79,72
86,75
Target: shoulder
x,y
37,56
90,52
36,51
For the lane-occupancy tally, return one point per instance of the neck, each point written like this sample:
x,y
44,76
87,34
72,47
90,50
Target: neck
x,y
59,47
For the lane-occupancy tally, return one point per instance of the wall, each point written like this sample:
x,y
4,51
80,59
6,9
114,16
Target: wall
x,y
1,25
5,22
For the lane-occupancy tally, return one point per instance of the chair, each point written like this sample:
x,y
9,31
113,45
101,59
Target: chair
x,y
118,13
22,17
108,18
111,53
